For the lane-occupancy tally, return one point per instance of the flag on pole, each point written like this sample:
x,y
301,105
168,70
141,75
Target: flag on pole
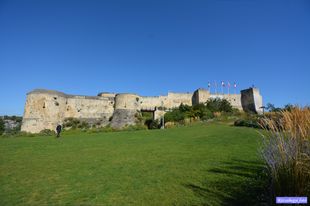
x,y
223,85
235,86
228,86
215,87
209,85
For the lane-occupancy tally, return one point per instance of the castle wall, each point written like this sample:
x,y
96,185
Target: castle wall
x,y
233,99
170,101
150,103
45,109
106,94
175,99
90,109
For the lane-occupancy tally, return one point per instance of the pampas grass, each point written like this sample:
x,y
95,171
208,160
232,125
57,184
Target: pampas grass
x,y
286,151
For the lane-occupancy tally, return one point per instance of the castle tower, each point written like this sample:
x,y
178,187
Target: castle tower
x,y
126,108
200,96
251,100
44,109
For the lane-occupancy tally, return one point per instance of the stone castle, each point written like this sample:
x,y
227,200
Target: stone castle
x,y
45,109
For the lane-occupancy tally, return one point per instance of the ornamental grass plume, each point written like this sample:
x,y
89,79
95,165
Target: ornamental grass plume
x,y
286,151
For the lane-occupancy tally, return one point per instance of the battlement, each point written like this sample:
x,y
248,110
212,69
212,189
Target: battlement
x,y
45,109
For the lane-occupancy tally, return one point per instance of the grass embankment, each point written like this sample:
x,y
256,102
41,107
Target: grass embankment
x,y
195,165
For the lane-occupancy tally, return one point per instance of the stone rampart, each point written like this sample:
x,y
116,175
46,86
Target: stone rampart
x,y
45,109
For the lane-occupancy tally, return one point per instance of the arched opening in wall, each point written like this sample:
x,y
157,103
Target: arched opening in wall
x,y
147,115
44,105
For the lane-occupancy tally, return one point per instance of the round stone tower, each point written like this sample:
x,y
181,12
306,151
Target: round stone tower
x,y
44,109
125,112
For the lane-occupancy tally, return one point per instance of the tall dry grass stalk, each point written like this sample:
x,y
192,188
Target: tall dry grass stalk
x,y
286,150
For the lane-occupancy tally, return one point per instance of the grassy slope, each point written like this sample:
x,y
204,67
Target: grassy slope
x,y
195,165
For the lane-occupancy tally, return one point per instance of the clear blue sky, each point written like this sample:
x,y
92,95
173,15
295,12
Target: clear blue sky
x,y
151,47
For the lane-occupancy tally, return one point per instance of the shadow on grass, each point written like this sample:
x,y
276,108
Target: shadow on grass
x,y
237,182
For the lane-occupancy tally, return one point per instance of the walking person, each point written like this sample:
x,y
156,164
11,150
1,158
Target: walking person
x,y
58,130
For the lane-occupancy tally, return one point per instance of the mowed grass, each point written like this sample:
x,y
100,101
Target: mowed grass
x,y
202,164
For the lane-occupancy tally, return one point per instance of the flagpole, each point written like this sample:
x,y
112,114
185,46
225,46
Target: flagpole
x,y
222,87
215,87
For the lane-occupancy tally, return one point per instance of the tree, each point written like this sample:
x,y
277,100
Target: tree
x,y
288,107
2,126
271,108
184,108
219,105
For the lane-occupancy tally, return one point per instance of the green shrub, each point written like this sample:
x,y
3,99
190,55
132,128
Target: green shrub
x,y
185,108
249,120
139,117
174,116
47,132
152,124
219,105
206,115
74,123
200,111
71,123
247,123
13,118
83,125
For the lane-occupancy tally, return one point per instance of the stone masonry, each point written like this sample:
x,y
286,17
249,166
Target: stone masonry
x,y
45,109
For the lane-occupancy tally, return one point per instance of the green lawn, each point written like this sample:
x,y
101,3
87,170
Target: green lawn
x,y
202,164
